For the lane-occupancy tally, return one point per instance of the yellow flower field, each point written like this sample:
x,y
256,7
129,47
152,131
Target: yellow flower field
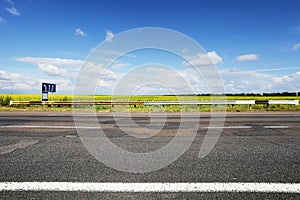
x,y
5,98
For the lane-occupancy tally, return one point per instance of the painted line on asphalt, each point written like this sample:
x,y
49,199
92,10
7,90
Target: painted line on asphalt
x,y
229,127
50,127
276,127
151,187
20,145
93,127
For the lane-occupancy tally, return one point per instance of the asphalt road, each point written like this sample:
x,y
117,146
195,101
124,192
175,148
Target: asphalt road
x,y
253,147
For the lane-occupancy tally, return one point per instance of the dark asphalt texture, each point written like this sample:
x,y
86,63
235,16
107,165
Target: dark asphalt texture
x,y
257,154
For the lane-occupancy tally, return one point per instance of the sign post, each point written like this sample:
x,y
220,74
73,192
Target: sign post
x,y
47,87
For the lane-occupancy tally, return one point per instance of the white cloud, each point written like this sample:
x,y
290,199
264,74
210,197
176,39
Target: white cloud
x,y
296,46
68,69
151,79
120,65
246,57
109,36
79,32
59,62
52,70
148,79
15,81
94,76
55,66
238,81
291,82
234,81
215,58
203,59
13,11
2,20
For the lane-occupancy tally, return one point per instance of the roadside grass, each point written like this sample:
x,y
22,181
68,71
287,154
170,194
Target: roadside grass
x,y
5,99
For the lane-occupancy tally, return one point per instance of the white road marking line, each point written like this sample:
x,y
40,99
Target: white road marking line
x,y
21,144
229,127
50,127
92,127
151,187
276,127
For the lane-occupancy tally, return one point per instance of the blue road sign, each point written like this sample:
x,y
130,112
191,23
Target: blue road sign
x,y
48,87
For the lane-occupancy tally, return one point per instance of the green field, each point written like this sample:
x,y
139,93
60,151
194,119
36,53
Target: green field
x,y
5,99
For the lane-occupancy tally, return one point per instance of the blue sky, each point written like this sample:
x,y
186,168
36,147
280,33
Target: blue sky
x,y
256,44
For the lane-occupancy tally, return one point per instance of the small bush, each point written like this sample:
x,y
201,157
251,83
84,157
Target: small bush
x,y
5,100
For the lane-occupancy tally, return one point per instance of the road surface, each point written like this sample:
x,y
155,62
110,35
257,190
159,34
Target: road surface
x,y
256,148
